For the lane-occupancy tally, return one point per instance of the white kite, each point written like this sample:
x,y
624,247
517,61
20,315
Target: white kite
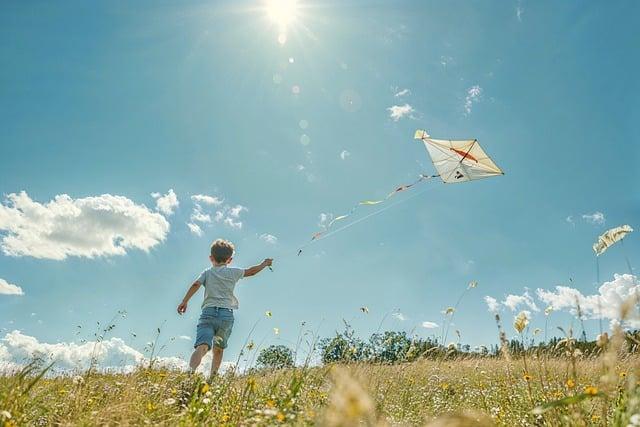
x,y
610,237
458,161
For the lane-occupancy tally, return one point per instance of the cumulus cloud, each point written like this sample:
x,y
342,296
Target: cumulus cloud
x,y
402,93
7,288
206,199
596,218
167,203
225,214
492,304
269,238
512,302
17,349
429,325
103,225
473,96
344,154
606,304
396,112
194,228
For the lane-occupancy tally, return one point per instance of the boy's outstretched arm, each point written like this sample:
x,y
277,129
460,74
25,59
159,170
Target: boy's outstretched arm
x,y
252,271
182,308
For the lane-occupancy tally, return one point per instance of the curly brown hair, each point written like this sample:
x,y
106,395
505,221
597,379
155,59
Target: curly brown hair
x,y
222,250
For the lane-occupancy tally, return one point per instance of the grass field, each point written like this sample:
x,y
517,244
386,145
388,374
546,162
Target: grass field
x,y
535,390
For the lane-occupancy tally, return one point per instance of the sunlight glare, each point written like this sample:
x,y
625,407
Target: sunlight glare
x,y
281,12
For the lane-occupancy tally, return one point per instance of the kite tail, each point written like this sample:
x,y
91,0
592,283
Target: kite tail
x,y
397,190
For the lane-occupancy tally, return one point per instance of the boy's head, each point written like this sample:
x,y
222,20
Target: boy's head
x,y
221,252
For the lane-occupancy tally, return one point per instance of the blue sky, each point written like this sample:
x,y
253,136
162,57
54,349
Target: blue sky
x,y
202,98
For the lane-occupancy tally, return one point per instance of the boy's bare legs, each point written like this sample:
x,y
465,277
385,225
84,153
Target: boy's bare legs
x,y
197,356
216,361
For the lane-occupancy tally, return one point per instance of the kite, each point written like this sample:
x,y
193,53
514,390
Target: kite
x,y
458,161
455,161
610,237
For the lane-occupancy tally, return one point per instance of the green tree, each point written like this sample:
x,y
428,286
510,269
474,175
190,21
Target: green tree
x,y
275,357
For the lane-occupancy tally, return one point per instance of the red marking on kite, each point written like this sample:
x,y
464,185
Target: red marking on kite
x,y
464,154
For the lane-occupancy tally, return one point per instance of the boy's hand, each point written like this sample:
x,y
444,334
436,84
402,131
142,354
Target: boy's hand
x,y
182,308
267,262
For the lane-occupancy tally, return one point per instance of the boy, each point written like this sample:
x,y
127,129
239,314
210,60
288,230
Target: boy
x,y
216,320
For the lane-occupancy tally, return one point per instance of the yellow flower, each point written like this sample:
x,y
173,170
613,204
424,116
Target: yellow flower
x,y
225,418
271,403
251,382
204,388
570,383
595,417
280,416
623,375
150,406
591,390
527,377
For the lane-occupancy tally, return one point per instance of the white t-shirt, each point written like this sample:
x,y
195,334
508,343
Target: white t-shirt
x,y
219,283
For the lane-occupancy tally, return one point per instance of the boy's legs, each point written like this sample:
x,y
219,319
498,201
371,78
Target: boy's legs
x,y
197,356
216,361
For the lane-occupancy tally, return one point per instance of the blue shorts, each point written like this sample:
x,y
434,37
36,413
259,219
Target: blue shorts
x,y
214,327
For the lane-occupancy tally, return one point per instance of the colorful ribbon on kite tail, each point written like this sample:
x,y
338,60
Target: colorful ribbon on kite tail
x,y
369,203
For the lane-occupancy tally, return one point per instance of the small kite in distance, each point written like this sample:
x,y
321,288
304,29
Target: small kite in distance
x,y
610,237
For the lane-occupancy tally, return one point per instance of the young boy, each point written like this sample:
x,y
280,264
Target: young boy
x,y
216,320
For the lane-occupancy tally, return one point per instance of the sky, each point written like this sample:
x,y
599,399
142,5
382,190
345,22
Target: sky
x,y
134,134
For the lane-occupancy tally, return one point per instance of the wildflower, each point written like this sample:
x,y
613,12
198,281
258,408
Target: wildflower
x,y
271,403
472,284
595,418
280,416
602,339
623,375
364,309
206,400
78,380
268,313
449,310
591,390
521,322
276,331
150,406
570,383
527,377
225,418
204,388
170,401
6,415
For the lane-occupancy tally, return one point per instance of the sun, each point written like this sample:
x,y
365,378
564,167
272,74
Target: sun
x,y
281,12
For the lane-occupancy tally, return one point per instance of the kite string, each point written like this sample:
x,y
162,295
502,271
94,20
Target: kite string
x,y
379,211
626,258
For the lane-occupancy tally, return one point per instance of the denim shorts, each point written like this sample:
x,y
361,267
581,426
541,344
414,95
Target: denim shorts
x,y
214,327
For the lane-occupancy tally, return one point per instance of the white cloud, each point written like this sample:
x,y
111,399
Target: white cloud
x,y
344,154
596,218
492,304
103,225
269,238
206,199
606,304
402,93
195,228
399,316
185,337
473,96
17,349
226,214
396,112
166,204
429,325
514,301
198,216
7,288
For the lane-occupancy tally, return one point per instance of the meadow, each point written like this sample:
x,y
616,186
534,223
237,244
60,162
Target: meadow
x,y
558,385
